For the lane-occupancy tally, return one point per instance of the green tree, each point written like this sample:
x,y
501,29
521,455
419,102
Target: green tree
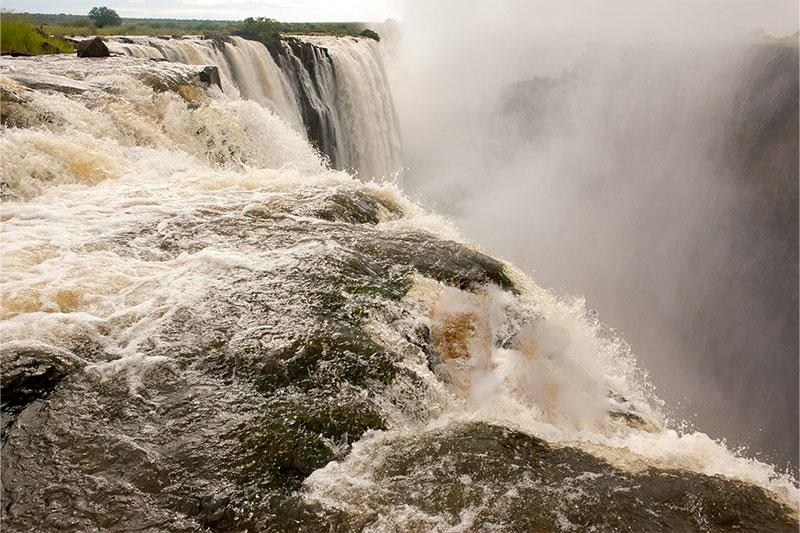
x,y
104,16
260,29
371,34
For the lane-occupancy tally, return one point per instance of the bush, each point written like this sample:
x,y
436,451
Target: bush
x,y
104,16
371,34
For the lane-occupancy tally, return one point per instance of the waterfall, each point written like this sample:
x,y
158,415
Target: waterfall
x,y
246,67
334,89
314,82
365,104
343,86
206,328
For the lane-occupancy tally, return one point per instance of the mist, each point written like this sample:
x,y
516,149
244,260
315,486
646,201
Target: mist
x,y
643,154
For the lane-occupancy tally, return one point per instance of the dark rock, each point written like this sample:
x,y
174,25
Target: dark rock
x,y
354,207
92,48
29,375
210,75
17,53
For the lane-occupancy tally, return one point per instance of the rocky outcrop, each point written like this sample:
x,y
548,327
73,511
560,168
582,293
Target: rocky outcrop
x,y
92,48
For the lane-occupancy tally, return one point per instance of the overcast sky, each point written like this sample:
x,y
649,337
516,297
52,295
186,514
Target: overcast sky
x,y
284,10
775,16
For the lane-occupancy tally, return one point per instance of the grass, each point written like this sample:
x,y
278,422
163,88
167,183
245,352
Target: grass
x,y
24,37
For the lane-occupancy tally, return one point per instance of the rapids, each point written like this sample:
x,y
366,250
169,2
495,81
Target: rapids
x,y
207,328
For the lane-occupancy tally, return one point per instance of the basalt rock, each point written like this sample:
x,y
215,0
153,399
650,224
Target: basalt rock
x,y
92,48
29,375
511,481
210,76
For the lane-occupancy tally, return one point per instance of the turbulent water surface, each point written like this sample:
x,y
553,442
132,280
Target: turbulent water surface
x,y
206,328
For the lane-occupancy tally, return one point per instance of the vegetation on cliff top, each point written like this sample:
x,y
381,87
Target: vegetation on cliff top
x,y
20,36
71,25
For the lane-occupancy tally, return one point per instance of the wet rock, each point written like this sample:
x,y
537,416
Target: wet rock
x,y
29,375
450,262
210,76
192,94
511,481
92,48
355,207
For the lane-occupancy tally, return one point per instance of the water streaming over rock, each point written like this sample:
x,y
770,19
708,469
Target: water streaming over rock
x,y
205,328
334,89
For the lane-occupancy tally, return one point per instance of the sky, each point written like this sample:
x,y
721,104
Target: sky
x,y
767,14
283,10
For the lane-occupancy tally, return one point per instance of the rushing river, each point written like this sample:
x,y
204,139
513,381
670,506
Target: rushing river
x,y
207,328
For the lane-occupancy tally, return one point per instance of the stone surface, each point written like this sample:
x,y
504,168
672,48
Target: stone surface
x,y
92,48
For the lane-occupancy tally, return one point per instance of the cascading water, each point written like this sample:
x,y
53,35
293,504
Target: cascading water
x,y
205,328
246,68
371,135
311,70
334,89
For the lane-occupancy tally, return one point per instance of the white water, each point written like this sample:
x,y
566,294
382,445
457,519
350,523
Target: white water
x,y
363,129
106,162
